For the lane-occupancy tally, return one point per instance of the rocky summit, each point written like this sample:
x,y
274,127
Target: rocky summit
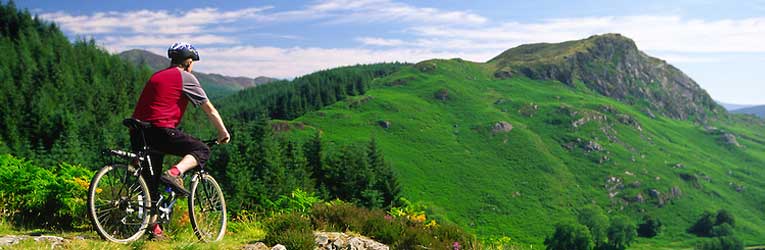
x,y
612,65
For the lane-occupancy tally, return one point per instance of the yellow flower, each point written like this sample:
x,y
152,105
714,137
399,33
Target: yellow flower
x,y
420,218
432,224
82,183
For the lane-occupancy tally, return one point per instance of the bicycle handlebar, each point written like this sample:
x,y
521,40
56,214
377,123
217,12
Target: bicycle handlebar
x,y
211,142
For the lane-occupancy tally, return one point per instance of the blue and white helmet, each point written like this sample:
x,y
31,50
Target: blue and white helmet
x,y
181,51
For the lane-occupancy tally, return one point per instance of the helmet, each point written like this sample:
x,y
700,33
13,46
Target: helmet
x,y
181,51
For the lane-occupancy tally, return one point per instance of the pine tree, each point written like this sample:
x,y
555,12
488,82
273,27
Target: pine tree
x,y
387,184
313,153
297,166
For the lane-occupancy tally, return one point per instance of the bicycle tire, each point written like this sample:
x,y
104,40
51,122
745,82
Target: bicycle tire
x,y
207,209
130,209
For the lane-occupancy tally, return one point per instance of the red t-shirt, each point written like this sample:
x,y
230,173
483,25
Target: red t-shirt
x,y
166,95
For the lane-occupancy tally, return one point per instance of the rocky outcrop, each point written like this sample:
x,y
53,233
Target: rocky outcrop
x,y
341,241
442,94
384,124
613,66
730,139
330,241
592,146
10,240
501,127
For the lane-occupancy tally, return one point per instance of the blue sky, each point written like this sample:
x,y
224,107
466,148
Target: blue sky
x,y
720,44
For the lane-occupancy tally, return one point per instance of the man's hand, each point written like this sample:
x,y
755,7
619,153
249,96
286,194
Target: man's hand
x,y
224,137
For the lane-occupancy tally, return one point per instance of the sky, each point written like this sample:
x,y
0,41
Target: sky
x,y
720,44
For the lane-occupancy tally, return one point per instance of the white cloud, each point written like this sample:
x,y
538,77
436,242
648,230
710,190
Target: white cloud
x,y
653,33
120,43
147,21
376,41
291,62
368,11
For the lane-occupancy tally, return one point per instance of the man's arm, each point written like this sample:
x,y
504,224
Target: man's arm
x,y
214,116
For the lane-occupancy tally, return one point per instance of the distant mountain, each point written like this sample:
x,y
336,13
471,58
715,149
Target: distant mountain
x,y
216,85
756,110
731,106
613,66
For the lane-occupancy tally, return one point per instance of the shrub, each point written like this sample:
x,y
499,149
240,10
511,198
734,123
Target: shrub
x,y
720,243
71,190
596,220
724,217
41,197
397,232
621,233
341,216
703,226
722,230
570,236
650,227
383,228
292,230
711,225
298,201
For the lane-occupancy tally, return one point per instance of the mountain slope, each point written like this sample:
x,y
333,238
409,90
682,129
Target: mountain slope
x,y
613,66
215,84
756,110
443,124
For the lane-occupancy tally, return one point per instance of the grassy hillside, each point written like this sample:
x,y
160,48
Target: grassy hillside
x,y
440,116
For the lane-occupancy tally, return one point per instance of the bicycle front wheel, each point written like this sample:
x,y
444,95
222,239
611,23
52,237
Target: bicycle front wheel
x,y
207,209
119,204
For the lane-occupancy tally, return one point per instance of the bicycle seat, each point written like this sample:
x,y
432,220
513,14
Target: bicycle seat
x,y
135,123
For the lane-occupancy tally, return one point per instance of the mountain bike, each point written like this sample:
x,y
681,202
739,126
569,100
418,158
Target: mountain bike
x,y
120,205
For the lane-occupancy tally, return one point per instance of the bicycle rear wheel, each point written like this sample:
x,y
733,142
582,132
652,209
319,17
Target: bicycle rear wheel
x,y
207,209
118,204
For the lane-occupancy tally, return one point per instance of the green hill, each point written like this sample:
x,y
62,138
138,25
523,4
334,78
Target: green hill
x,y
613,127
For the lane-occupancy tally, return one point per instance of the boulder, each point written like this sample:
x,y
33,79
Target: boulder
x,y
675,192
639,198
442,94
384,124
341,241
730,139
501,127
592,146
279,247
503,74
256,246
655,193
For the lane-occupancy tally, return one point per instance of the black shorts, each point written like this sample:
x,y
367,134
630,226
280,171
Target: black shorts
x,y
167,141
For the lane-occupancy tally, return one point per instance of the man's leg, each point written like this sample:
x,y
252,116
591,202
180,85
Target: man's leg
x,y
194,153
188,162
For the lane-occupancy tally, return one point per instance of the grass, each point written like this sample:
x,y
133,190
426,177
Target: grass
x,y
239,234
520,184
240,231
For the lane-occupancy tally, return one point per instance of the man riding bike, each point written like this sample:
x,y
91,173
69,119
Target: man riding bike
x,y
162,103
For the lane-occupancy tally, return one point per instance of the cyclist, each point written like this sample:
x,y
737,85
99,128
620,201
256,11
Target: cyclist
x,y
162,103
